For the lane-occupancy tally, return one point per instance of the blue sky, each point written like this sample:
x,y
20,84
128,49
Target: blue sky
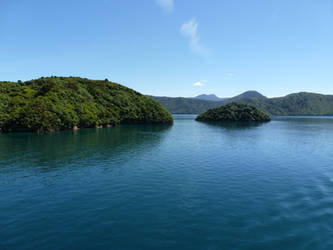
x,y
173,47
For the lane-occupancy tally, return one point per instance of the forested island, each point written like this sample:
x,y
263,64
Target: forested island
x,y
58,103
234,112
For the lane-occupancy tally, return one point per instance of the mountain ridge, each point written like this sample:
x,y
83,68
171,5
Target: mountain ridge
x,y
209,97
300,103
249,94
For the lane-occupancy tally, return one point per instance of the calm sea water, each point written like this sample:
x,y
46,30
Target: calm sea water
x,y
188,186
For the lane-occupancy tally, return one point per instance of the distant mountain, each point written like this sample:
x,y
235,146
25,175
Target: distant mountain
x,y
248,94
302,103
294,104
181,105
211,97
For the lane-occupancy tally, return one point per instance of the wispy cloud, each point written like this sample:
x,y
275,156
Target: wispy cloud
x,y
166,5
189,29
199,83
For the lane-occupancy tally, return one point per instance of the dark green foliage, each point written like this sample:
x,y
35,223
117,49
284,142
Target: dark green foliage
x,y
248,94
209,97
181,105
301,104
57,103
294,104
234,112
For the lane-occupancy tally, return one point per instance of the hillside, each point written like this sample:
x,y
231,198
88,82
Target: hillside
x,y
181,105
57,103
210,97
247,95
294,104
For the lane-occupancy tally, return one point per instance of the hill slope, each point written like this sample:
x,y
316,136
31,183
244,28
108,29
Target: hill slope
x,y
247,95
56,103
181,105
294,104
210,97
301,104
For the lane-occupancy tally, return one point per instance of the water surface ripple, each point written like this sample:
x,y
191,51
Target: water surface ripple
x,y
192,185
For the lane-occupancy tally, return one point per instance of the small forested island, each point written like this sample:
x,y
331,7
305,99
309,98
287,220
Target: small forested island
x,y
58,103
234,112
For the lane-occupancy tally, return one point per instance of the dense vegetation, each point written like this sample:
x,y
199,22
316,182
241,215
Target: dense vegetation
x,y
57,103
210,97
181,105
234,112
293,104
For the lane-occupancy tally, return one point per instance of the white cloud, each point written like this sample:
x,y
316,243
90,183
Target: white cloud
x,y
189,29
166,5
199,83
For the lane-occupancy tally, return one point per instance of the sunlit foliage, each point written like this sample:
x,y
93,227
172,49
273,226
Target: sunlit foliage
x,y
57,103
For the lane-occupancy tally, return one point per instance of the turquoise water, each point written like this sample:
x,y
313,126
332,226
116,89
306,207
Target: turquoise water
x,y
188,186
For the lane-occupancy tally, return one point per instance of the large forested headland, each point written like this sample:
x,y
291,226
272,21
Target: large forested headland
x,y
294,104
58,103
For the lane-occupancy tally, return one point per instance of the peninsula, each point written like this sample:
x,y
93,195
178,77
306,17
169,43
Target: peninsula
x,y
58,103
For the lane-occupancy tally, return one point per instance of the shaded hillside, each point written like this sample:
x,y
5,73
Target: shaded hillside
x,y
56,103
301,104
247,95
293,104
234,112
181,105
210,97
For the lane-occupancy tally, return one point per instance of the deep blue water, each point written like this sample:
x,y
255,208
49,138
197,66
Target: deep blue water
x,y
192,185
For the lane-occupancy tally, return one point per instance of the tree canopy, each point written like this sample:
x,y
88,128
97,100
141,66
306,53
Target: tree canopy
x,y
234,112
57,103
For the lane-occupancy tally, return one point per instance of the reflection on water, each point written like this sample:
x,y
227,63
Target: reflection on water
x,y
304,119
235,125
52,150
